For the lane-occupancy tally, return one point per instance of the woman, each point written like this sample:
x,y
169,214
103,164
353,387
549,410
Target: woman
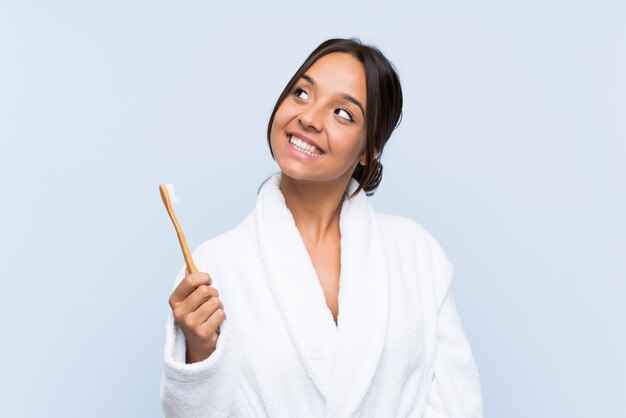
x,y
333,309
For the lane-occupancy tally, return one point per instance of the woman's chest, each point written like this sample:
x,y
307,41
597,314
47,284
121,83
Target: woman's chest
x,y
327,264
281,315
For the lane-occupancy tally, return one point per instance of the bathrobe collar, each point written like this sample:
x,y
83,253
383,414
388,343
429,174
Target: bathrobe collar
x,y
340,360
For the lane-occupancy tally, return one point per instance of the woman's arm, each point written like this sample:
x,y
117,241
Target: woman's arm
x,y
455,390
203,388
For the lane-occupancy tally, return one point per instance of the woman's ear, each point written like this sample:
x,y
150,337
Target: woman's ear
x,y
363,154
362,159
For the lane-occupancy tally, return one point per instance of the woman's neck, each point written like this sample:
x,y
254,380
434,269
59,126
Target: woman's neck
x,y
315,206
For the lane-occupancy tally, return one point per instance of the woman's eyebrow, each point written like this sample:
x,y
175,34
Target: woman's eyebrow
x,y
342,94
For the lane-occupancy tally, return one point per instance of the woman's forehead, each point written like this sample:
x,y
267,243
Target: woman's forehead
x,y
339,73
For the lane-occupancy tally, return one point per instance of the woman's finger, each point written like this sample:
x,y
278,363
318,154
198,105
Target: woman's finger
x,y
197,298
213,322
204,312
187,285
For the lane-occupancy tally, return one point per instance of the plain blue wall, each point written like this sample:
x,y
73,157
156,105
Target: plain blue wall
x,y
511,153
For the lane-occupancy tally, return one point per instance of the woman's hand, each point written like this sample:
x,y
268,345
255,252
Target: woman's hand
x,y
199,312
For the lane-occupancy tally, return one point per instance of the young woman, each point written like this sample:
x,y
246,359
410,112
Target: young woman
x,y
333,309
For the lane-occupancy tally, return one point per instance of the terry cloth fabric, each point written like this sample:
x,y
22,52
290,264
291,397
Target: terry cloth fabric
x,y
398,349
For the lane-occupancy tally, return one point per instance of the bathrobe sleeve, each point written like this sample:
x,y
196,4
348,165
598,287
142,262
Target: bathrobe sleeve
x,y
201,389
455,389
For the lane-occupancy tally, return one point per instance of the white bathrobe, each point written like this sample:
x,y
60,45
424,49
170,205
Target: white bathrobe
x,y
399,349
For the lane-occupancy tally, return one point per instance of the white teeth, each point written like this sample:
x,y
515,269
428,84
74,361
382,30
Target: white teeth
x,y
303,146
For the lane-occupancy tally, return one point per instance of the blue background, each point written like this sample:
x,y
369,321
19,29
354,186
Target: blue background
x,y
511,153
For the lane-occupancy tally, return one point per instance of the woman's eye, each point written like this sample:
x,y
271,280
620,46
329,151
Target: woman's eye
x,y
347,113
297,91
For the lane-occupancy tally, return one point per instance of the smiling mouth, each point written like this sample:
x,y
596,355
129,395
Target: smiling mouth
x,y
303,146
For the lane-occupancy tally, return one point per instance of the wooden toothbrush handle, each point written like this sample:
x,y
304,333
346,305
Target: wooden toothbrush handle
x,y
179,232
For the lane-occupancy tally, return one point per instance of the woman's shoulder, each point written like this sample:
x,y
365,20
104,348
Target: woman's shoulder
x,y
409,240
232,238
409,234
221,250
403,227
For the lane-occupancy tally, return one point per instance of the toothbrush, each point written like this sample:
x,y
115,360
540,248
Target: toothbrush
x,y
168,196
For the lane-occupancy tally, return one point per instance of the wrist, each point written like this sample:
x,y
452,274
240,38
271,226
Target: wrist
x,y
192,357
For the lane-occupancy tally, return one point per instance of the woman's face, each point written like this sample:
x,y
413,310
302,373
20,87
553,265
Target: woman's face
x,y
326,107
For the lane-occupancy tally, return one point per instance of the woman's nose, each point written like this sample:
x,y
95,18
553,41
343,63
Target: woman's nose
x,y
311,116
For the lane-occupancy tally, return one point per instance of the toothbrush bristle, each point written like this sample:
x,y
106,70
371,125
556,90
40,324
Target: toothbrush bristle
x,y
170,192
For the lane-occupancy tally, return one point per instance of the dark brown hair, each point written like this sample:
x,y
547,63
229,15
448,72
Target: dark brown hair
x,y
384,103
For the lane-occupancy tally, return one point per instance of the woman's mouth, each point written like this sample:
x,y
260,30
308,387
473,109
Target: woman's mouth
x,y
306,148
